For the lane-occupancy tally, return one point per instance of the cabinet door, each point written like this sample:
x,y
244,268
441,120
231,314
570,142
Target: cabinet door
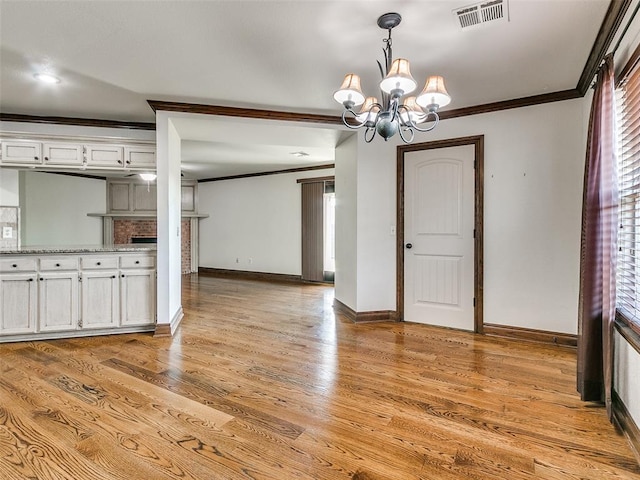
x,y
62,154
58,301
21,152
143,157
137,297
105,156
144,198
18,303
188,198
119,197
99,299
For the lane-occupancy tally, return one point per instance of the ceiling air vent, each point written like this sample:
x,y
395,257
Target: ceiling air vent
x,y
497,10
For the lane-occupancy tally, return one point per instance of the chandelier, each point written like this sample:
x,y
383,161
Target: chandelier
x,y
397,112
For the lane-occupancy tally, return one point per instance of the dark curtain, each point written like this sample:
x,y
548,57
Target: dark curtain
x,y
596,308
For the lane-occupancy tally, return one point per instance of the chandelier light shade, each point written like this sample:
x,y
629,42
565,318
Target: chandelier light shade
x,y
397,112
369,110
350,92
434,93
399,78
412,111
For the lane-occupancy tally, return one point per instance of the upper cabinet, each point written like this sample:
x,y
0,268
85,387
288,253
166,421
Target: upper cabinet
x,y
66,154
140,156
77,153
126,196
103,155
21,152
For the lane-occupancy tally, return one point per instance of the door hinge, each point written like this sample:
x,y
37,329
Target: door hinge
x,y
474,233
474,301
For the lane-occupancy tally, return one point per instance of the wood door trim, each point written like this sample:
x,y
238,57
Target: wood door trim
x,y
478,142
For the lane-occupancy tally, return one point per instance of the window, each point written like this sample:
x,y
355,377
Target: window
x,y
628,119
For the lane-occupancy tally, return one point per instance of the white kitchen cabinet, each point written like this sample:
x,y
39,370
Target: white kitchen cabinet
x,y
21,152
137,297
80,153
58,301
62,154
118,196
140,157
105,155
76,294
100,299
188,197
18,303
145,198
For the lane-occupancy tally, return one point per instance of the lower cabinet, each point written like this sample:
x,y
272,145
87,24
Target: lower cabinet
x,y
100,299
137,293
18,303
56,296
58,301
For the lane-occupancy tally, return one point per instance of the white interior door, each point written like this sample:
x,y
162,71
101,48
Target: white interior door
x,y
438,237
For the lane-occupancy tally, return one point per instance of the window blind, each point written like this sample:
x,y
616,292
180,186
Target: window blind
x,y
628,119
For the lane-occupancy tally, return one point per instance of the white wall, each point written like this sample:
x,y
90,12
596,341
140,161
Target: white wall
x,y
346,279
256,220
534,159
9,188
54,209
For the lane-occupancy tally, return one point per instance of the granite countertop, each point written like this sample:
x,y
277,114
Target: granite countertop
x,y
39,250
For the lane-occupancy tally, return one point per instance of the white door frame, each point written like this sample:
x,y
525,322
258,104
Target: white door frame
x,y
478,143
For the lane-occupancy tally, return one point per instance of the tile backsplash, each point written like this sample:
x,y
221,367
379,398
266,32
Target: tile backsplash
x,y
9,222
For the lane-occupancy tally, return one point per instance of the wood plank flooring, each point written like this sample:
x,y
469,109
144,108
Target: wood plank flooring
x,y
262,381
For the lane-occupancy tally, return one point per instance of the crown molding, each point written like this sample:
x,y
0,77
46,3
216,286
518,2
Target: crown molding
x,y
244,112
78,122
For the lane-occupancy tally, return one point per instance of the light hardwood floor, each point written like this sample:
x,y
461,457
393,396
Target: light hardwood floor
x,y
262,381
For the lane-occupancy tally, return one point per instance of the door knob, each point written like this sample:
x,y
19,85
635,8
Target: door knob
x,y
409,246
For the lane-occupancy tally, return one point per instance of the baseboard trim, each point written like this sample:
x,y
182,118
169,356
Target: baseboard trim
x,y
624,421
168,329
245,275
531,335
363,317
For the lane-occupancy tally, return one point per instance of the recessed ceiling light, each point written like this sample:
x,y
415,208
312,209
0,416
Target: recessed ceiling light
x,y
300,154
46,78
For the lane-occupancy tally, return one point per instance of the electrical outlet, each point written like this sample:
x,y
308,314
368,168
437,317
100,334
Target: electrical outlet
x,y
7,232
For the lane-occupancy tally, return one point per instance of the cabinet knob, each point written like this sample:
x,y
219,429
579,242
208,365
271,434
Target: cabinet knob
x,y
30,280
57,264
128,162
98,263
46,159
35,158
15,265
113,276
41,279
120,162
137,262
122,275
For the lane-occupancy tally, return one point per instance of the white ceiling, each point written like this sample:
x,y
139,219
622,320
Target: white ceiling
x,y
112,56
